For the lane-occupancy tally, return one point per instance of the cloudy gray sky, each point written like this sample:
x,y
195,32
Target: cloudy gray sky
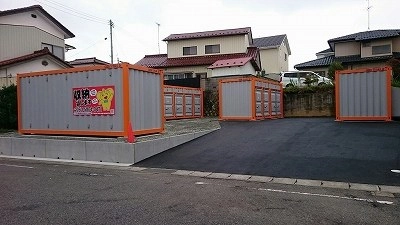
x,y
308,23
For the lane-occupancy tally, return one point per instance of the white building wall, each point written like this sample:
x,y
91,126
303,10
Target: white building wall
x,y
228,45
367,51
17,41
347,48
40,22
246,69
26,67
270,60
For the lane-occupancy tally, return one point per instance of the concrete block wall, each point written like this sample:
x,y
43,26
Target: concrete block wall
x,y
101,150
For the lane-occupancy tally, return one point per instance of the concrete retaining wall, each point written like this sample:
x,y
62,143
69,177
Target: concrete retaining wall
x,y
309,104
101,150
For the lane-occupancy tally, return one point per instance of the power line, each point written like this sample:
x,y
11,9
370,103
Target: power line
x,y
71,13
90,46
75,10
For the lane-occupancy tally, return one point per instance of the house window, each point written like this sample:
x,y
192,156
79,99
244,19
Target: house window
x,y
190,50
56,50
210,49
178,76
381,49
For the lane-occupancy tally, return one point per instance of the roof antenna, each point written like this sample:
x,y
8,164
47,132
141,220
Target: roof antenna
x,y
369,9
158,36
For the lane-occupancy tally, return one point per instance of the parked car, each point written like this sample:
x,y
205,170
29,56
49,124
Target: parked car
x,y
297,78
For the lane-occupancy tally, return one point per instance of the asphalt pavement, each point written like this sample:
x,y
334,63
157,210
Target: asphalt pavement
x,y
303,148
45,193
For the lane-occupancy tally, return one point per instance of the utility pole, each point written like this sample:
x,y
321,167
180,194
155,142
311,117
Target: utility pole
x,y
368,9
158,36
111,27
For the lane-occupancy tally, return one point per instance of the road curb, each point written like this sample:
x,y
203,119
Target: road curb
x,y
376,189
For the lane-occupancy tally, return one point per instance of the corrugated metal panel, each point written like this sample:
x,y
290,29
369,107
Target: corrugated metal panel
x,y
182,102
363,94
51,102
236,100
239,96
145,97
47,101
21,40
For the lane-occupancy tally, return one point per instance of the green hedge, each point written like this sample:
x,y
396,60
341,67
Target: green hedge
x,y
8,107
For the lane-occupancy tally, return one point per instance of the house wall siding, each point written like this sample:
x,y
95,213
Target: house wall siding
x,y
367,51
270,60
194,69
246,69
283,63
366,65
17,41
228,45
347,48
396,45
26,19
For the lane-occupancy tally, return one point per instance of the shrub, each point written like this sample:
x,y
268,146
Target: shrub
x,y
211,103
333,68
8,107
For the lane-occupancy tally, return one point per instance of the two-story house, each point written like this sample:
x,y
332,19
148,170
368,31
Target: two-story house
x,y
274,53
30,40
360,50
206,55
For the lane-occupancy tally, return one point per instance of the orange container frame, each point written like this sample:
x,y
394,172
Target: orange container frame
x,y
388,91
184,93
253,116
127,123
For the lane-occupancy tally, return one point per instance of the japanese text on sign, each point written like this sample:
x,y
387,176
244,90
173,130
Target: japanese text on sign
x,y
92,101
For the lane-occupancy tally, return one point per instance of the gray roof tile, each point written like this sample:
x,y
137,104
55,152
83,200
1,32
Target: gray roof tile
x,y
266,42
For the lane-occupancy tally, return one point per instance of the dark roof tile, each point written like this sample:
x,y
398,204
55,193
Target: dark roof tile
x,y
326,61
87,61
214,33
367,35
267,42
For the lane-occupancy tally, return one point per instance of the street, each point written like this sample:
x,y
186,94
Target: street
x,y
49,193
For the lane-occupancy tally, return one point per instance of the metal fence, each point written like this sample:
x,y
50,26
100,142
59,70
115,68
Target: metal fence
x,y
363,94
182,102
97,100
250,99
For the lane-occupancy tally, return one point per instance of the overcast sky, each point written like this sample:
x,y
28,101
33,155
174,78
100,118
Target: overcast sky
x,y
308,23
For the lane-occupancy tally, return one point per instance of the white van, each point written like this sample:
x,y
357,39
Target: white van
x,y
297,78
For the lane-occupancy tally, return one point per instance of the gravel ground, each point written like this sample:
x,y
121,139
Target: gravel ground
x,y
172,128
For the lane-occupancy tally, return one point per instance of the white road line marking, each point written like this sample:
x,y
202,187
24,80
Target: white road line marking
x,y
28,167
395,171
324,195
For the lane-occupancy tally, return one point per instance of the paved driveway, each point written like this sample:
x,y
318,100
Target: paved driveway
x,y
316,148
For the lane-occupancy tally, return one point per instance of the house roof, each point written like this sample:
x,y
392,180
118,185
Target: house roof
x,y
230,62
271,42
87,61
68,33
153,61
365,36
34,55
162,61
214,33
325,51
326,61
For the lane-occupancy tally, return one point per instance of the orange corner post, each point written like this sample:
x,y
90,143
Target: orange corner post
x,y
337,96
125,98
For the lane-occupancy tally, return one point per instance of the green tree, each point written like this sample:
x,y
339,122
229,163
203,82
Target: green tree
x,y
333,68
395,64
8,107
